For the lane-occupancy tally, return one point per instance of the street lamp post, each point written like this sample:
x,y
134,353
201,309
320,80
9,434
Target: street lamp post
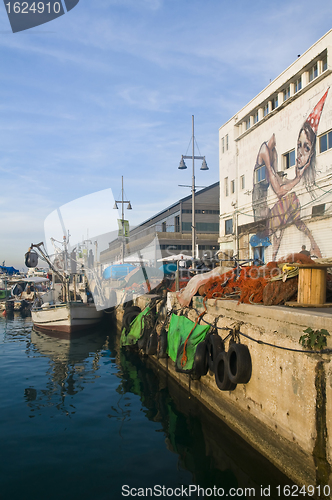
x,y
129,207
182,166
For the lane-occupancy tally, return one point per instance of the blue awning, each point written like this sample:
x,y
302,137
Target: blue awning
x,y
9,270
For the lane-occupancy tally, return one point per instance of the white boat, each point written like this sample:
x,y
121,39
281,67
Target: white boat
x,y
62,311
67,318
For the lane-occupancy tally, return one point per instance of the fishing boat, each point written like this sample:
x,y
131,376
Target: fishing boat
x,y
69,318
7,276
62,310
4,291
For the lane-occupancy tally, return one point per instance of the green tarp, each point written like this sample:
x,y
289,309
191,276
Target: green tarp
x,y
178,331
136,329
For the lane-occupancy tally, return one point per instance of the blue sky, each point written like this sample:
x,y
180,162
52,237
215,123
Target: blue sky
x,y
109,89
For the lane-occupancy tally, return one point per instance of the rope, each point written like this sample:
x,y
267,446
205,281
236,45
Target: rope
x,y
322,351
184,358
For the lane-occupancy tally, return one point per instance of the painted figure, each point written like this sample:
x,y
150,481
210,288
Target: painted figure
x,y
287,210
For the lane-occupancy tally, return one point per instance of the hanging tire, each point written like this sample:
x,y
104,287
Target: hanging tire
x,y
215,346
142,342
152,344
239,364
129,315
162,344
201,364
221,373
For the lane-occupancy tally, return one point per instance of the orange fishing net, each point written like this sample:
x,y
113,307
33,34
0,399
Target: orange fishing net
x,y
182,284
247,284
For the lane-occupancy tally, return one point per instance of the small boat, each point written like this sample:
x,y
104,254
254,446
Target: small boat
x,y
63,309
4,290
68,317
7,275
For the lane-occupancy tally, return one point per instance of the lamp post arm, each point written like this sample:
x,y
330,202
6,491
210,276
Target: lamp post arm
x,y
194,157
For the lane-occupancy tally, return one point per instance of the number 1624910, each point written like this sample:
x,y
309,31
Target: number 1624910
x,y
34,8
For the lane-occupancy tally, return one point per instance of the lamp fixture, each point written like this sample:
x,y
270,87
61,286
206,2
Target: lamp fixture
x,y
204,165
182,165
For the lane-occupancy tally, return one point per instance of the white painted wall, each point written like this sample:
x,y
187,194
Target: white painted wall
x,y
285,122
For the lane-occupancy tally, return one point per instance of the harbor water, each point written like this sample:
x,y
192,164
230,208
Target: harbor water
x,y
83,420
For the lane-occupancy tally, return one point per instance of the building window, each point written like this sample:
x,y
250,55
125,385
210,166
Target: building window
x,y
318,210
324,63
289,159
206,247
266,109
233,187
247,123
186,226
177,224
223,144
274,103
204,211
200,211
256,117
260,174
227,142
207,227
287,93
325,142
226,186
242,182
175,247
229,226
298,84
313,72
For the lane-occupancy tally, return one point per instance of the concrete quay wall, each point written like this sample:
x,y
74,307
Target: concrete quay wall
x,y
285,410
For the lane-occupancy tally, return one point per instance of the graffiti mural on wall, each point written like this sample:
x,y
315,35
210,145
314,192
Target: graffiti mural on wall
x,y
287,210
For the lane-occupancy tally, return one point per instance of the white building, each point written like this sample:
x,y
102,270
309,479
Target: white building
x,y
275,176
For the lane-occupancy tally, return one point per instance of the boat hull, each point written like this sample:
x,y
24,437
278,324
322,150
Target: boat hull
x,y
69,319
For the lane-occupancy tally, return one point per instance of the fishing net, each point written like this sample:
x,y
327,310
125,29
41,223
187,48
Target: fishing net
x,y
279,292
247,284
182,284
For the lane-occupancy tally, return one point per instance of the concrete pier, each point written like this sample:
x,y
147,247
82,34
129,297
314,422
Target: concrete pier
x,y
285,410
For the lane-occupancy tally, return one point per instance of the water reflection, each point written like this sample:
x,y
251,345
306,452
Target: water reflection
x,y
16,326
62,380
210,450
73,363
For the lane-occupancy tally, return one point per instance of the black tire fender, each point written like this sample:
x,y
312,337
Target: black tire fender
x,y
201,364
152,344
141,343
221,373
215,347
162,344
239,364
129,315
